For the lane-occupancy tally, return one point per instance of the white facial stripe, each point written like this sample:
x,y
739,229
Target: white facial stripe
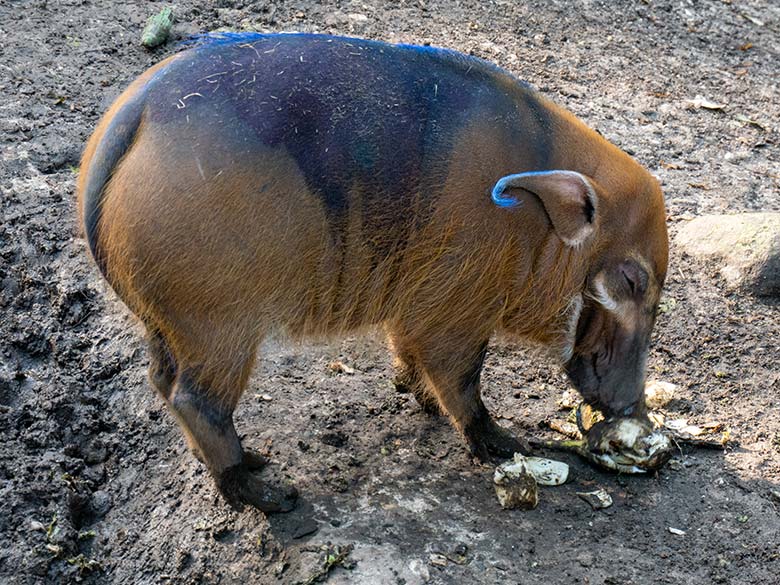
x,y
575,308
601,295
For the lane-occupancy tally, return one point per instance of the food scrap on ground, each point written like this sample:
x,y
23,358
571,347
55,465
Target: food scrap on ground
x,y
546,472
517,480
598,499
632,445
625,445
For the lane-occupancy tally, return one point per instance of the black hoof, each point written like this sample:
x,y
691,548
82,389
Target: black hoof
x,y
489,439
505,444
479,451
240,486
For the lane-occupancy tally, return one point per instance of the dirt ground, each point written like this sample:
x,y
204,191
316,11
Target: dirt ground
x,y
96,484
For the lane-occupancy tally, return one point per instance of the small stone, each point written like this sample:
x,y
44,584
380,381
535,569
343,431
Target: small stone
x,y
658,394
280,568
700,102
677,531
438,560
570,399
340,367
54,549
100,503
585,559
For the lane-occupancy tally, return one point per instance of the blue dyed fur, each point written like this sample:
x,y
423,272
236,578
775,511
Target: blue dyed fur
x,y
498,190
356,115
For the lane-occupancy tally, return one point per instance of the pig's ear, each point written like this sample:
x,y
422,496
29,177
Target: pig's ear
x,y
568,198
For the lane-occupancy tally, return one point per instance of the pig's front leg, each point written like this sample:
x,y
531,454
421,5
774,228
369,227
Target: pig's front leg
x,y
454,378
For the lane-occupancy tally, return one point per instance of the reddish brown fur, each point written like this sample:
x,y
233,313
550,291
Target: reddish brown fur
x,y
209,297
214,267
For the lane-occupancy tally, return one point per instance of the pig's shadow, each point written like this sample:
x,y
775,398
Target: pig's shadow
x,y
297,524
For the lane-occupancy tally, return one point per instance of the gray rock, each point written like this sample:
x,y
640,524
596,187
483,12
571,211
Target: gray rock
x,y
746,248
101,503
335,19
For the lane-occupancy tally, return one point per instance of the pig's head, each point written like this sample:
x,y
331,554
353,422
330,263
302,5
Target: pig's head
x,y
619,232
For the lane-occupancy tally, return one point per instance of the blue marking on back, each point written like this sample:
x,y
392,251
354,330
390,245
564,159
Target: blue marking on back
x,y
354,114
221,38
497,194
365,121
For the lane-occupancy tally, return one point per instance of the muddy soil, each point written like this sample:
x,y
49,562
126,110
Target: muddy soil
x,y
96,484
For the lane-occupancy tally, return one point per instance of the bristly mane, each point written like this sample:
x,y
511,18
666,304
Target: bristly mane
x,y
230,37
222,38
219,38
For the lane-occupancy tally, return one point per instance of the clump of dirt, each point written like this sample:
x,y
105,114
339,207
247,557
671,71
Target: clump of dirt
x,y
96,485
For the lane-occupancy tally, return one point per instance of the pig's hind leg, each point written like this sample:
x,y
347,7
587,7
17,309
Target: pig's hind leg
x,y
162,374
162,364
203,398
409,377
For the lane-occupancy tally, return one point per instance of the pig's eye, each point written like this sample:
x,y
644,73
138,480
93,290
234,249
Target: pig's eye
x,y
634,278
631,283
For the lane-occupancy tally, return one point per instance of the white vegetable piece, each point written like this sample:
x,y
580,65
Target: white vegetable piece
x,y
546,471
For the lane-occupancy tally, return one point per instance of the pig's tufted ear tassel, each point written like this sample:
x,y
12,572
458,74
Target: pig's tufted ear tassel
x,y
569,198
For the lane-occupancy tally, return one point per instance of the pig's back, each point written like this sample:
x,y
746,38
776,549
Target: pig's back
x,y
354,114
336,179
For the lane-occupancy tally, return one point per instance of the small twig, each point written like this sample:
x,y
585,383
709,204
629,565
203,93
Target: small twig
x,y
571,445
717,445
